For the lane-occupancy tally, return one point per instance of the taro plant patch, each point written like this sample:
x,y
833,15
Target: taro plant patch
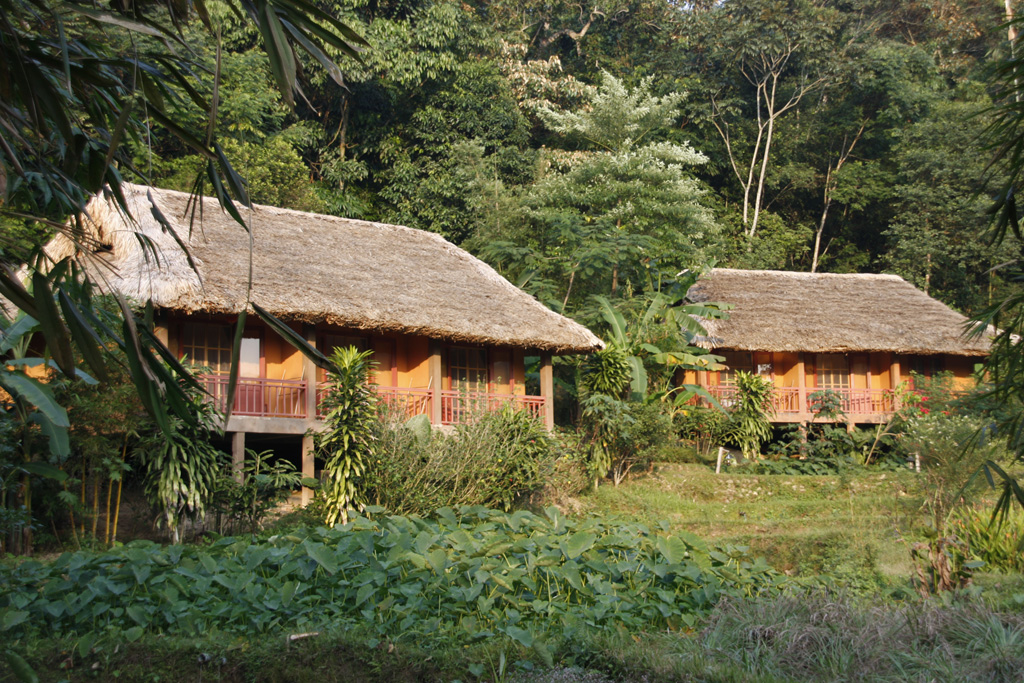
x,y
468,574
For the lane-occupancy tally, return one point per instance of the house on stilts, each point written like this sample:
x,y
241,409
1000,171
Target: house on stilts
x,y
447,333
857,335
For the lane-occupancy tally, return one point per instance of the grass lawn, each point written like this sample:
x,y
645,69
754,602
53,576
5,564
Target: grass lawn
x,y
860,524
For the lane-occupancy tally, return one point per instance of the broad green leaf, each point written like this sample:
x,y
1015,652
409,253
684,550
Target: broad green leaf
x,y
12,618
520,635
36,393
21,668
45,470
438,560
323,556
671,548
578,544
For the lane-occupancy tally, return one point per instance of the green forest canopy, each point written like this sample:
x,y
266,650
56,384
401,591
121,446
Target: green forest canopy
x,y
598,149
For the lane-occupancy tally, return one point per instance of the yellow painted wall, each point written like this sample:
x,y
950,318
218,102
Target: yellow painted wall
x,y
519,371
859,366
962,368
810,371
786,369
283,360
881,375
413,354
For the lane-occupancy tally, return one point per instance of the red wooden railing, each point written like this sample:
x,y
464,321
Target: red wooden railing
x,y
259,397
456,406
788,399
287,398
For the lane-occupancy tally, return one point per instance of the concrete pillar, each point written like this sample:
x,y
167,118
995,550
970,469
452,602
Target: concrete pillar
x,y
547,390
434,370
308,467
894,370
238,456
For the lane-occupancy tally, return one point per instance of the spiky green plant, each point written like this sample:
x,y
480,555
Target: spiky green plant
x,y
180,464
750,419
347,444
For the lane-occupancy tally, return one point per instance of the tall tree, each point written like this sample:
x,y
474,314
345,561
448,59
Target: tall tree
x,y
616,205
764,57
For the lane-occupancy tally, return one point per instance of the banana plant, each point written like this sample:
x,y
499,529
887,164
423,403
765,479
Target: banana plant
x,y
662,335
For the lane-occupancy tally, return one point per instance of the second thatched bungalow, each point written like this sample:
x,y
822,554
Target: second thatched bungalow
x,y
857,335
448,334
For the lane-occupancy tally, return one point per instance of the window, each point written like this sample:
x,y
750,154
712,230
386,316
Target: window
x,y
833,370
926,366
735,360
207,345
501,371
467,369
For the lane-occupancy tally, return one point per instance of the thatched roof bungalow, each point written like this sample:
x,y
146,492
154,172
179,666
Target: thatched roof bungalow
x,y
448,334
321,270
859,335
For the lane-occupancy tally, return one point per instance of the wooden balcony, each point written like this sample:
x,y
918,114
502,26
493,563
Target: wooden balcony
x,y
258,397
456,406
285,399
792,404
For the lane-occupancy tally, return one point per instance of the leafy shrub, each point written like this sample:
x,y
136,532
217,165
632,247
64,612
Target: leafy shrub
x,y
180,464
750,418
492,460
679,454
945,446
605,372
703,427
997,544
793,466
826,404
469,575
621,435
266,483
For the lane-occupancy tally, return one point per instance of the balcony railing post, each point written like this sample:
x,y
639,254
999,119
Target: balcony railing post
x,y
801,377
434,371
309,373
547,390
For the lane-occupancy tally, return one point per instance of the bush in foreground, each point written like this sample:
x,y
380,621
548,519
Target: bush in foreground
x,y
792,637
466,576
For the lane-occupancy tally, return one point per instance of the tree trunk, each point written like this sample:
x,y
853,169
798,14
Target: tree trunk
x,y
927,273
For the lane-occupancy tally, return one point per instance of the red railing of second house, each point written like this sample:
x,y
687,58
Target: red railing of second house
x,y
788,399
412,401
457,406
259,397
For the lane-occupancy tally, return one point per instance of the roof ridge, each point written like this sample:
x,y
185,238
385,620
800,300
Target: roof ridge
x,y
805,275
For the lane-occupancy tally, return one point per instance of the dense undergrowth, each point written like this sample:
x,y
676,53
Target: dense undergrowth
x,y
812,636
463,577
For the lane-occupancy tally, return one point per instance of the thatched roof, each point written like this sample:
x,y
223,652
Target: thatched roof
x,y
825,312
318,269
